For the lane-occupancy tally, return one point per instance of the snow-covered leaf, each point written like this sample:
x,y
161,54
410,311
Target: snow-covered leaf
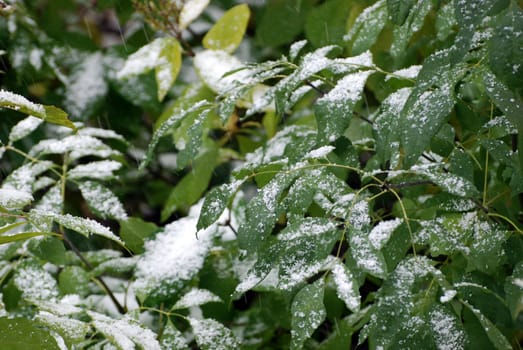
x,y
14,199
212,335
196,297
173,339
171,259
308,312
99,170
35,283
213,65
70,329
102,200
367,27
346,286
77,146
24,128
190,11
49,113
125,333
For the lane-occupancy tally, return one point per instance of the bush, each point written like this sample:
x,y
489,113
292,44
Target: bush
x,y
289,174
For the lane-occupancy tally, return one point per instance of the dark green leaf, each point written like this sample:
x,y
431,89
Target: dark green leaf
x,y
308,312
399,10
74,280
367,27
134,231
49,249
326,24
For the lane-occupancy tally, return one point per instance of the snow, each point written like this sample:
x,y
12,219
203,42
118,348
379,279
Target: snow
x,y
77,146
196,297
142,60
447,334
190,11
407,73
211,334
345,286
100,170
125,332
380,234
24,128
36,284
100,133
102,200
12,199
174,256
448,296
86,85
15,101
321,152
71,328
212,65
296,48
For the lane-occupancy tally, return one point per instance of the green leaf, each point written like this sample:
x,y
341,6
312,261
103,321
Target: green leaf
x,y
193,146
49,249
506,100
227,33
22,236
83,226
494,334
212,335
102,200
74,280
410,25
281,21
134,232
171,122
399,10
172,338
24,128
216,201
19,103
72,330
514,291
163,55
451,183
125,332
326,24
365,30
191,187
24,334
9,227
308,312
168,66
263,211
334,110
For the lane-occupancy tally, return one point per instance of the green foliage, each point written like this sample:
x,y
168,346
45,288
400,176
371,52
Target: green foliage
x,y
280,175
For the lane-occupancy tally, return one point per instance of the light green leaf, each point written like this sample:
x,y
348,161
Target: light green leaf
x,y
190,11
365,30
227,33
24,334
22,236
168,66
49,249
134,231
19,103
102,200
308,312
9,227
74,280
212,335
